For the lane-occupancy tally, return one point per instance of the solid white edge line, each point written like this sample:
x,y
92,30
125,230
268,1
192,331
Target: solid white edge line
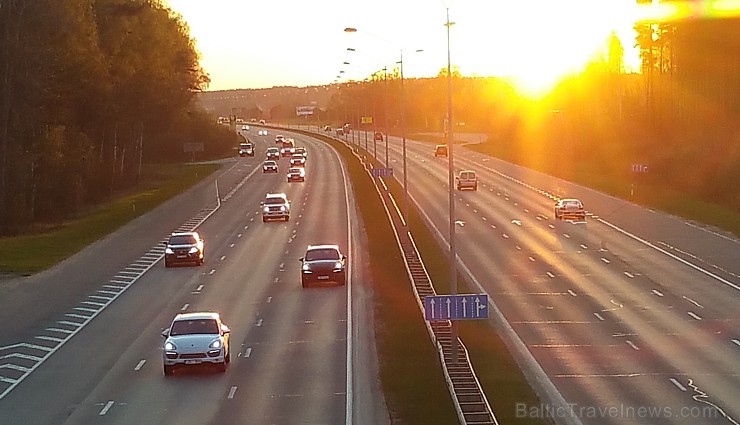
x,y
349,383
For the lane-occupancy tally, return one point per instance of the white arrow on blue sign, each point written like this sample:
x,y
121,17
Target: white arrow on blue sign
x,y
456,307
381,172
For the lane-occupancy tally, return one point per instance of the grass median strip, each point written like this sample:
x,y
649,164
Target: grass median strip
x,y
411,375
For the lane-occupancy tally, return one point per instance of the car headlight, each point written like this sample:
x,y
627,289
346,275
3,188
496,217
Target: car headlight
x,y
215,344
338,266
282,208
306,268
169,346
168,250
193,250
266,209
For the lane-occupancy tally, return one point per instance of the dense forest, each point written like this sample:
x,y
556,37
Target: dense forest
x,y
678,118
90,90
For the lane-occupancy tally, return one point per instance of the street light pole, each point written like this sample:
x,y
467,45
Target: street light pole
x,y
385,84
403,142
451,183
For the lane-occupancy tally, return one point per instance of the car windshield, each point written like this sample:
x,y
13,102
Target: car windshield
x,y
467,175
182,240
275,200
244,145
322,254
193,327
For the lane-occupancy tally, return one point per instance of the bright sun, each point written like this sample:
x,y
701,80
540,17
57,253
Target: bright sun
x,y
540,41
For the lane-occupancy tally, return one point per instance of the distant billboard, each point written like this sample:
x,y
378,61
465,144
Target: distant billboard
x,y
304,110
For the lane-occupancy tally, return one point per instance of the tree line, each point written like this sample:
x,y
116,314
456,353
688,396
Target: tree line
x,y
679,117
90,90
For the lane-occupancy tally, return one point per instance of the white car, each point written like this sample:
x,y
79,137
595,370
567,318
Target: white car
x,y
275,206
262,132
297,160
270,166
296,174
196,338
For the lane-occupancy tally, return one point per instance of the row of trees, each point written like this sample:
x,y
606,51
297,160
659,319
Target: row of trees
x,y
680,115
89,91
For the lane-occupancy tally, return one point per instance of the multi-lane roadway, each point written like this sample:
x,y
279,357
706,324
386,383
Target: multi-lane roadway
x,y
82,344
631,316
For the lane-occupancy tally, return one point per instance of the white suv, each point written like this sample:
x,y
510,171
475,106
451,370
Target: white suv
x,y
196,338
276,206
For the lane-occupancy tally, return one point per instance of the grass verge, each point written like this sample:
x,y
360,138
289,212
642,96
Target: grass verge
x,y
409,366
42,249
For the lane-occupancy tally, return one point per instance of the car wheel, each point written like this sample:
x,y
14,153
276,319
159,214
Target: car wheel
x,y
168,370
200,261
227,359
264,219
221,367
475,187
167,263
303,283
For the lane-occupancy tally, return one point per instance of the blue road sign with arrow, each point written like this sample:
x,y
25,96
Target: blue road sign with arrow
x,y
456,307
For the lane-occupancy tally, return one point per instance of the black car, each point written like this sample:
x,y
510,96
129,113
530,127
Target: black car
x,y
184,247
323,264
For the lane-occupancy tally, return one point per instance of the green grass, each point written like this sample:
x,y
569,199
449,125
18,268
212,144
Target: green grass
x,y
47,246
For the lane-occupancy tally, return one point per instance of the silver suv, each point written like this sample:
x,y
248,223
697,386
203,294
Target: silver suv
x,y
275,206
196,338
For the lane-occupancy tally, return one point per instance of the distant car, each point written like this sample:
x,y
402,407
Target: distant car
x,y
301,151
196,338
340,131
287,148
466,179
296,174
273,153
378,136
270,166
184,247
323,263
440,150
569,208
245,128
327,128
275,206
262,132
262,122
246,149
297,160
279,138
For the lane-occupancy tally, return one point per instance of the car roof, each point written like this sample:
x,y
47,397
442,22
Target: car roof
x,y
184,234
276,195
197,315
324,246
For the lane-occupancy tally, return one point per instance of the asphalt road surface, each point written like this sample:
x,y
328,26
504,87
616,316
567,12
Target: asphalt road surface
x,y
81,343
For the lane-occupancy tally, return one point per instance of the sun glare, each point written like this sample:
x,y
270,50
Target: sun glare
x,y
543,42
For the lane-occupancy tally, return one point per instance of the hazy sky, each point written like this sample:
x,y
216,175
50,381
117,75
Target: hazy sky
x,y
256,44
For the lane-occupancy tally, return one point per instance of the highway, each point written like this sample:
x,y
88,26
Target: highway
x,y
81,343
629,317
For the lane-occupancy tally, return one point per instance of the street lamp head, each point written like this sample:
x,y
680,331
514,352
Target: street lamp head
x,y
346,63
349,49
350,29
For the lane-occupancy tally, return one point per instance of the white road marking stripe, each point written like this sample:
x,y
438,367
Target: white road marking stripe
x,y
232,391
68,323
736,342
571,292
14,367
103,291
64,331
21,356
552,276
48,338
77,316
598,316
584,246
200,288
605,260
693,302
677,384
694,315
632,344
506,236
35,347
212,271
100,297
259,322
140,365
231,245
8,380
223,257
269,300
88,310
629,275
658,293
185,307
106,408
567,236
248,352
531,259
